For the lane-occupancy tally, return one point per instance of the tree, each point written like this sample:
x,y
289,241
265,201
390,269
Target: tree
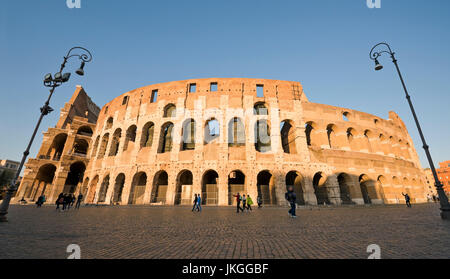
x,y
6,176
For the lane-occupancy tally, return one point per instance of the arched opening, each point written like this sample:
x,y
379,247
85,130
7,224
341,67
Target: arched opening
x,y
367,135
364,183
184,190
287,132
57,148
236,132
212,130
345,181
85,188
310,132
103,189
138,188
159,190
166,138
170,110
295,180
109,123
350,138
320,188
381,182
94,150
118,188
85,131
74,178
210,191
345,116
331,134
130,138
188,135
44,178
80,147
91,195
147,135
236,184
266,188
260,109
262,136
103,146
115,142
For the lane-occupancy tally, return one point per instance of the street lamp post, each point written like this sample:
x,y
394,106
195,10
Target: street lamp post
x,y
445,206
51,82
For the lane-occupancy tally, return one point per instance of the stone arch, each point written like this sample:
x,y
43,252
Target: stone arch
x,y
114,149
367,135
94,150
262,136
260,108
57,148
366,185
184,189
91,195
381,183
345,182
288,137
118,188
331,135
320,188
130,137
346,116
85,131
103,190
351,133
295,179
170,111
210,191
312,138
166,138
211,130
137,190
266,187
74,178
188,135
236,132
147,134
103,146
80,147
109,123
236,184
44,177
85,188
159,189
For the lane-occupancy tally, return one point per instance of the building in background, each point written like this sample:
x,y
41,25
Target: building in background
x,y
444,175
430,182
8,169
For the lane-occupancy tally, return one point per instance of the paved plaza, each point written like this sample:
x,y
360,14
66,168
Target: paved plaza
x,y
218,232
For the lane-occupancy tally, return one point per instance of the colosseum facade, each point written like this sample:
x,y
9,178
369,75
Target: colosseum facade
x,y
162,143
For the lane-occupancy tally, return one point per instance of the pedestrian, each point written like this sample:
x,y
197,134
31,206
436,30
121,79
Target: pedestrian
x,y
291,198
79,200
59,201
407,199
67,201
249,203
40,201
259,201
73,199
195,203
238,203
244,202
199,203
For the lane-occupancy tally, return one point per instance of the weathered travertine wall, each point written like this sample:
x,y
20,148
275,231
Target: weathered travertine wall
x,y
163,143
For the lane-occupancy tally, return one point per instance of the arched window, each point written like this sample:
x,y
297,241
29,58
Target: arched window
x,y
212,130
367,135
85,131
97,142
287,132
350,136
80,147
188,135
165,142
57,148
109,123
331,135
236,132
262,136
147,134
115,142
103,146
170,110
308,131
130,137
260,109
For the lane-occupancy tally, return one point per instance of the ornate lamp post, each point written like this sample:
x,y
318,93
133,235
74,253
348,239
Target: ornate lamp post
x,y
51,82
445,206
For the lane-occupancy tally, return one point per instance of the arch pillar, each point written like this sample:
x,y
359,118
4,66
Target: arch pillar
x,y
308,191
171,189
333,190
222,184
127,190
355,190
280,188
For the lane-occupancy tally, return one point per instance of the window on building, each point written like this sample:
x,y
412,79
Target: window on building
x,y
260,91
154,97
125,100
192,88
213,87
106,110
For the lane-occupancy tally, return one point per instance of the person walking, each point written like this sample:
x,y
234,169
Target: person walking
x,y
79,200
291,198
195,203
59,201
244,203
407,199
238,203
40,201
249,203
199,203
259,201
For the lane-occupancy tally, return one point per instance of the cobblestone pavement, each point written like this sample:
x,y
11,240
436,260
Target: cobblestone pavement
x,y
218,232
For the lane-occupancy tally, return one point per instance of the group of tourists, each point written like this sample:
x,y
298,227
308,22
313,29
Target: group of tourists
x,y
67,201
246,201
197,203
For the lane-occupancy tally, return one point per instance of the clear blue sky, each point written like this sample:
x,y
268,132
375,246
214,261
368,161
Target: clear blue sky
x,y
324,44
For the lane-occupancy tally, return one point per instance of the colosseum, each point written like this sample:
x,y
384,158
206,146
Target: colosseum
x,y
162,143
